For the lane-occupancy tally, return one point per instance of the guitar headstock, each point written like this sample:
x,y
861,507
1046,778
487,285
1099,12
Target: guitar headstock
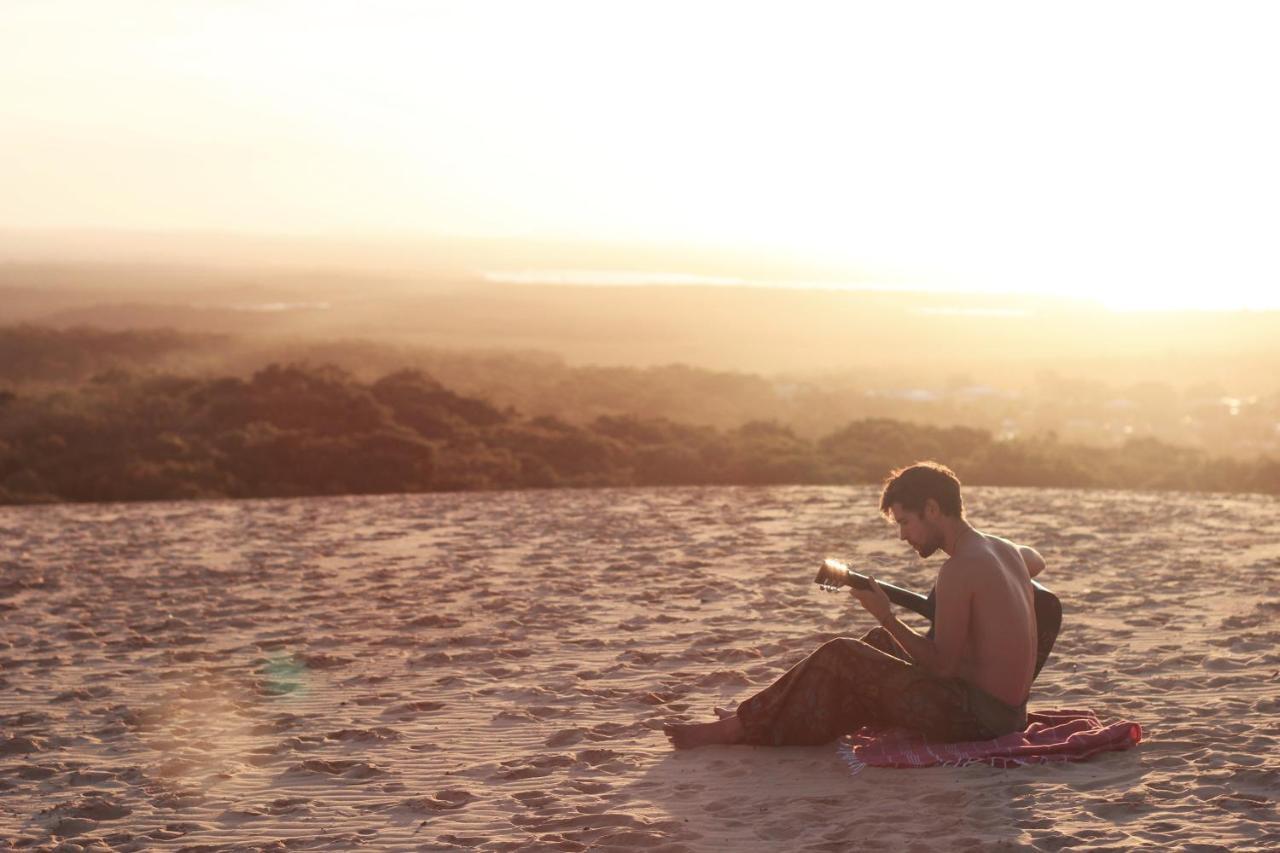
x,y
832,575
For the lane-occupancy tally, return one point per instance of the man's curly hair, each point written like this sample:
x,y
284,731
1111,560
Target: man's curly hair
x,y
915,484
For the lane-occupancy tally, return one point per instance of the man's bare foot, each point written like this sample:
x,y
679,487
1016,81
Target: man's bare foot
x,y
691,735
724,713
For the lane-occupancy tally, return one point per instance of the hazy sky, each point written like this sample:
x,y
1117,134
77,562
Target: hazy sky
x,y
1126,150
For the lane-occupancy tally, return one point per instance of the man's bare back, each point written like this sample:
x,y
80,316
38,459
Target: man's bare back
x,y
997,653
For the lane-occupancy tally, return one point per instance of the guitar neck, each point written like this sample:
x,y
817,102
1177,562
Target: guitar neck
x,y
913,601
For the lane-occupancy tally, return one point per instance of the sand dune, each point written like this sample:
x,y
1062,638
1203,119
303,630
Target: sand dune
x,y
492,670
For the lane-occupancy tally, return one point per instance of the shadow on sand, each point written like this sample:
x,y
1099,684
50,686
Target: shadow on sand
x,y
806,798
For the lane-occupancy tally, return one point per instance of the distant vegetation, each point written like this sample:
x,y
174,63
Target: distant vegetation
x,y
290,430
33,355
1219,420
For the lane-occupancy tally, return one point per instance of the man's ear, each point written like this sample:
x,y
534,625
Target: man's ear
x,y
931,509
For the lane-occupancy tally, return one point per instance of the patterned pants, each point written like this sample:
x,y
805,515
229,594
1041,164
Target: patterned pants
x,y
847,684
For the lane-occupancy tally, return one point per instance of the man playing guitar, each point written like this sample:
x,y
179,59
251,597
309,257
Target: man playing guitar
x,y
968,679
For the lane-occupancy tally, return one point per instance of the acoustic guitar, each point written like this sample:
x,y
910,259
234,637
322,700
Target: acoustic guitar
x,y
833,575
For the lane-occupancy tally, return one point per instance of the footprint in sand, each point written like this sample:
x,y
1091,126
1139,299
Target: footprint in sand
x,y
535,799
565,737
717,807
539,765
288,806
93,808
1125,807
462,841
23,745
378,734
36,772
587,787
72,826
596,757
411,709
450,799
348,769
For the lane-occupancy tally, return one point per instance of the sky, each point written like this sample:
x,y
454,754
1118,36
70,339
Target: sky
x,y
1115,150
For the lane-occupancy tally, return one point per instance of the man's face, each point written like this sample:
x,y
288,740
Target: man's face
x,y
916,530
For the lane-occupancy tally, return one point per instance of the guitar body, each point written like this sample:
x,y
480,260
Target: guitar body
x,y
834,574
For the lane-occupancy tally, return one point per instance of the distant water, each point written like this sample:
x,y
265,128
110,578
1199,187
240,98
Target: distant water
x,y
1117,299
640,278
633,278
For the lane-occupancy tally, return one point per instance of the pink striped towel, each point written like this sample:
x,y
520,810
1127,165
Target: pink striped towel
x,y
1058,735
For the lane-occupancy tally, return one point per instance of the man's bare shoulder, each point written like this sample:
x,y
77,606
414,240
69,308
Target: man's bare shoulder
x,y
965,567
1025,555
972,565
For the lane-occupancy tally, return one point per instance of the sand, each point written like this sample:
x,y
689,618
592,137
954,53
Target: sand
x,y
492,671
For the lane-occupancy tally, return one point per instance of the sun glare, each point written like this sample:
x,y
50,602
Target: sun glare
x,y
1118,152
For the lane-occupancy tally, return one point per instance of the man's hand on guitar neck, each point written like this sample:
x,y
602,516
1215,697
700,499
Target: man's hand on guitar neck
x,y
874,601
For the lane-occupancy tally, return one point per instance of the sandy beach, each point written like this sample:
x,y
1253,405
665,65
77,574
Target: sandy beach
x,y
491,671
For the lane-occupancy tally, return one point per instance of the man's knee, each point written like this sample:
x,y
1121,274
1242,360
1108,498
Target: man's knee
x,y
848,649
880,638
877,636
842,647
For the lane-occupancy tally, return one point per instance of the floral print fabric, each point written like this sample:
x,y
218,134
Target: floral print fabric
x,y
847,684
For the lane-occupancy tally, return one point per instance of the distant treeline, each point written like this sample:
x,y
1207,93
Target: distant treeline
x,y
1219,420
40,355
38,358
297,430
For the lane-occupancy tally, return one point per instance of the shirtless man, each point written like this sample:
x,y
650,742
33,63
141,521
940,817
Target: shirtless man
x,y
970,681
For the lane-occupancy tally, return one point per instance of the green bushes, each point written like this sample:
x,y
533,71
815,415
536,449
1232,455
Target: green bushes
x,y
294,430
